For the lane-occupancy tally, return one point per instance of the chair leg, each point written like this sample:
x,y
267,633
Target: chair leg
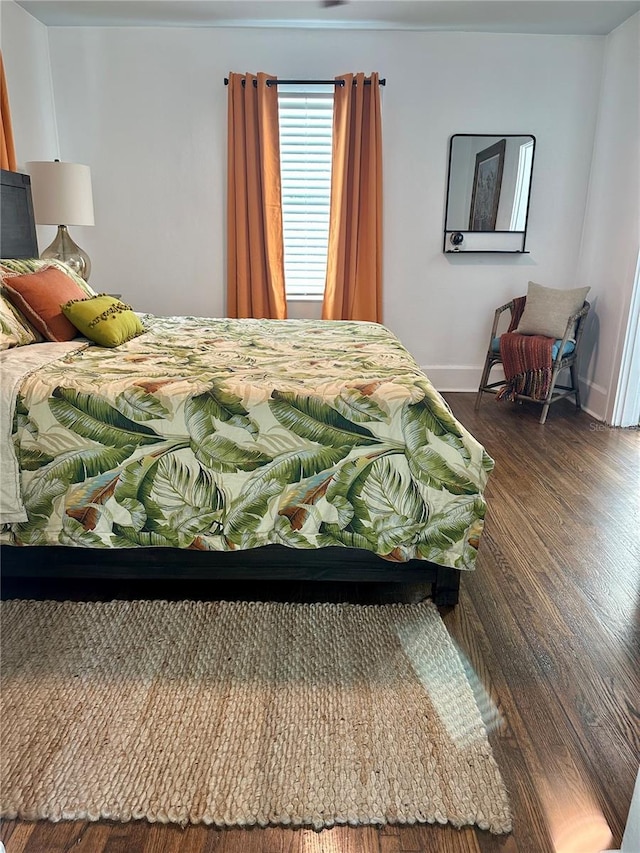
x,y
486,370
547,402
574,383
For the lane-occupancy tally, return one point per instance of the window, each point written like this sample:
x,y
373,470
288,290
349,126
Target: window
x,y
306,126
523,180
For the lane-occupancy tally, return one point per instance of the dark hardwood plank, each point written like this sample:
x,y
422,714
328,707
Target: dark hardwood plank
x,y
444,839
548,626
126,837
172,839
6,829
341,839
52,837
277,840
16,832
91,838
389,843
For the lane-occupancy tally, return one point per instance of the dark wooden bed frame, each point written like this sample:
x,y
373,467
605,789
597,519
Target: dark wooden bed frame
x,y
272,562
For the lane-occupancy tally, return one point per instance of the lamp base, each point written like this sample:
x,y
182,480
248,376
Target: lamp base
x,y
64,249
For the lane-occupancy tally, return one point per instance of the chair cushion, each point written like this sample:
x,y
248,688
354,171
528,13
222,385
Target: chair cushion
x,y
547,310
568,347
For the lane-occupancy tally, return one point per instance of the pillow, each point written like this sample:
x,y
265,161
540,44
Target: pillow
x,y
104,319
547,310
13,332
23,266
39,296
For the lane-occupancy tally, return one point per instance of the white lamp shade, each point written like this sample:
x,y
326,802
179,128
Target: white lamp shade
x,y
61,193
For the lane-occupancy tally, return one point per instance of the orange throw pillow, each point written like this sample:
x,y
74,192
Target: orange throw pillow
x,y
39,296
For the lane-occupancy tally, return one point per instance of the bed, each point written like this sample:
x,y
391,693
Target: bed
x,y
210,447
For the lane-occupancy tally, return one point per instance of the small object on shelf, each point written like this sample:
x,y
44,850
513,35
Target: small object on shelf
x,y
455,239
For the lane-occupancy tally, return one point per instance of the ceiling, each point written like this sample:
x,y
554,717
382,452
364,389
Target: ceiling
x,y
562,17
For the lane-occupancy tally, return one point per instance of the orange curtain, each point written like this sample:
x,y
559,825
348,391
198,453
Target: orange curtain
x,y
7,150
255,248
353,289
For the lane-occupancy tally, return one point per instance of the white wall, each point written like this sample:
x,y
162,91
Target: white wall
x,y
146,108
25,49
611,238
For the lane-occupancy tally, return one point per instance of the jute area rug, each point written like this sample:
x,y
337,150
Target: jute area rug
x,y
235,713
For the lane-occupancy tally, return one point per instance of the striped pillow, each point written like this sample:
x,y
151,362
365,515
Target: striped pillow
x,y
24,266
13,331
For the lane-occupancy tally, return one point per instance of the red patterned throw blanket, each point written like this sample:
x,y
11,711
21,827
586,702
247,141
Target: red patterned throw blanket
x,y
527,360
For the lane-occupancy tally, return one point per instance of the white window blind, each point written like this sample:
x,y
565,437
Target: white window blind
x,y
306,125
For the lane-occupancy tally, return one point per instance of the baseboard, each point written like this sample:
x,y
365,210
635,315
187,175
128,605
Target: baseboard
x,y
594,398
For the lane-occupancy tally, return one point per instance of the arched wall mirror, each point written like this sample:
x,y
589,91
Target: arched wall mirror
x,y
488,192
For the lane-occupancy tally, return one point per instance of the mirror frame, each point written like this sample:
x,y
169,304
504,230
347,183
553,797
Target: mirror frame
x,y
453,240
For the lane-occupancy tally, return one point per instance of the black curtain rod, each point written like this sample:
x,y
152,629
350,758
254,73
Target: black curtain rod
x,y
383,82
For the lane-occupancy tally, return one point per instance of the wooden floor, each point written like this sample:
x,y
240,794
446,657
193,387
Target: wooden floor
x,y
549,626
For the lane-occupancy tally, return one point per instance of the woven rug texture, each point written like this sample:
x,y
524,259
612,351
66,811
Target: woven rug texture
x,y
240,713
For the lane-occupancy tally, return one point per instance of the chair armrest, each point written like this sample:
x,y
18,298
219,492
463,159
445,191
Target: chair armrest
x,y
496,319
581,313
571,325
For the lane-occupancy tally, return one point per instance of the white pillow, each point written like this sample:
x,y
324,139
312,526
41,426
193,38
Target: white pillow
x,y
547,310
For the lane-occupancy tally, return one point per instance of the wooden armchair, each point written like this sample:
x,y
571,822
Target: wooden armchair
x,y
565,355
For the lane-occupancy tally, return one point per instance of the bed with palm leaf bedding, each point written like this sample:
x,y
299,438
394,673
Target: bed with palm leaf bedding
x,y
212,448
217,436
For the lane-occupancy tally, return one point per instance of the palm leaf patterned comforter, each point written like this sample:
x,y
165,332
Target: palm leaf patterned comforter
x,y
230,434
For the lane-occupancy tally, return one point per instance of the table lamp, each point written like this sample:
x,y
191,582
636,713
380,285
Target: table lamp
x,y
62,194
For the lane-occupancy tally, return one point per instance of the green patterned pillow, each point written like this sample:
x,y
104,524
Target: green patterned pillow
x,y
14,332
23,266
103,319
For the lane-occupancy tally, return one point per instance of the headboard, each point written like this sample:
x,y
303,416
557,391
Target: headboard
x,y
17,225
